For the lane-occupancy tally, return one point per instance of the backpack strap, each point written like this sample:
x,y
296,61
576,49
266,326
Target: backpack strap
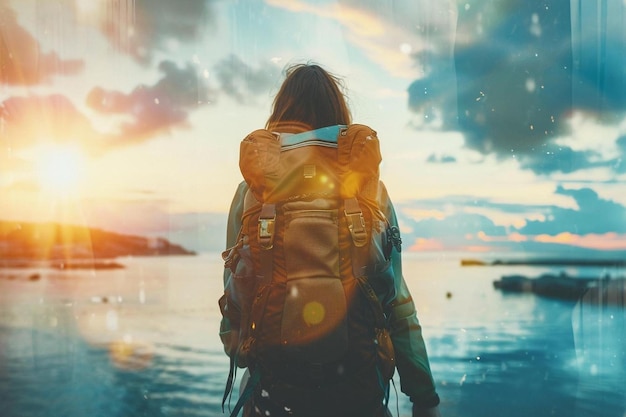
x,y
267,222
266,231
247,392
356,221
232,374
265,236
231,255
382,331
266,218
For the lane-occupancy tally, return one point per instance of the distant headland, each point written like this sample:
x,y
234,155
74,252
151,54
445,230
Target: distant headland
x,y
61,246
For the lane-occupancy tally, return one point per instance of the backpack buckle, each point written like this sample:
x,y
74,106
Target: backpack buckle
x,y
267,221
356,222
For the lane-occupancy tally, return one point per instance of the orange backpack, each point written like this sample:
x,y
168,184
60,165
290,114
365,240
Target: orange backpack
x,y
310,268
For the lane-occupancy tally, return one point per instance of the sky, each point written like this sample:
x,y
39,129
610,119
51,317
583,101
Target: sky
x,y
502,123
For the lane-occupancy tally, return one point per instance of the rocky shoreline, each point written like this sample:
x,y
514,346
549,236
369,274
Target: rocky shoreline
x,y
63,247
565,287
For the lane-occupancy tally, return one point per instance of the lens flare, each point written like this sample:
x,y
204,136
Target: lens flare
x,y
313,313
131,355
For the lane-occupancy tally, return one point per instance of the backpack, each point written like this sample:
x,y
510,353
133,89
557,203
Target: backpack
x,y
311,274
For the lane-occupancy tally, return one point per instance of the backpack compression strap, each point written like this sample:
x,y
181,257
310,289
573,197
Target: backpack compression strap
x,y
356,222
246,393
381,325
267,221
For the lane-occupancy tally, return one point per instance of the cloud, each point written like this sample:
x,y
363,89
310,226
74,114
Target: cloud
x,y
620,161
440,159
454,225
590,214
147,111
142,28
241,81
551,158
458,231
386,34
605,241
424,245
592,223
621,143
38,119
594,215
517,82
434,97
21,60
467,203
514,86
157,108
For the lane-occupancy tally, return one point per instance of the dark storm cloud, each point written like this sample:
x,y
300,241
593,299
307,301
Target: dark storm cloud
x,y
21,60
593,215
517,82
156,108
143,27
241,81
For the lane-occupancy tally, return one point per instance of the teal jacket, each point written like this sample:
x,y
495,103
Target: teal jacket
x,y
412,364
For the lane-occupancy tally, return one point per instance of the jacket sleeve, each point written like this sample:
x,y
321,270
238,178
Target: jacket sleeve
x,y
229,326
412,364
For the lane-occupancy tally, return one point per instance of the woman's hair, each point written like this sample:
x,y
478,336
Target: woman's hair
x,y
309,98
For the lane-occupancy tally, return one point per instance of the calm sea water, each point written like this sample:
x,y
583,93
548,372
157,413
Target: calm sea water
x,y
143,341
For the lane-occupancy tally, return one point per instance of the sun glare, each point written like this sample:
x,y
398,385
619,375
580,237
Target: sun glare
x,y
88,9
59,170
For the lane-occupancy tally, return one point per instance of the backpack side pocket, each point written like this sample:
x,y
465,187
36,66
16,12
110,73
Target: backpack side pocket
x,y
379,269
241,290
244,278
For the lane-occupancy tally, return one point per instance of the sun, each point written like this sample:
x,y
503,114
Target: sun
x,y
60,170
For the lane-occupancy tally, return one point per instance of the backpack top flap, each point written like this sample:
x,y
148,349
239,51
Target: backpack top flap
x,y
259,154
335,160
359,159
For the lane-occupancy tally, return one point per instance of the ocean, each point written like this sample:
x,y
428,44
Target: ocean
x,y
143,341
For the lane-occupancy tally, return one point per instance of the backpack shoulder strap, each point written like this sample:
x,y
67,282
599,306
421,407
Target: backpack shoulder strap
x,y
265,227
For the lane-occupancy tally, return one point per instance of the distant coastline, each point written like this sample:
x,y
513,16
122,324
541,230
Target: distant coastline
x,y
546,262
61,264
60,246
